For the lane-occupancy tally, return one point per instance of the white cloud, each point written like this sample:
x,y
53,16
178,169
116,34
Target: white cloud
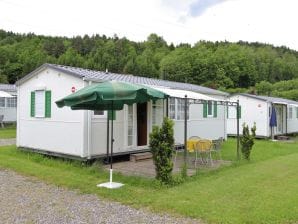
x,y
269,21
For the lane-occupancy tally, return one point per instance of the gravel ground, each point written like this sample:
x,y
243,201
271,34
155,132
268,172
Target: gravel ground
x,y
27,200
8,141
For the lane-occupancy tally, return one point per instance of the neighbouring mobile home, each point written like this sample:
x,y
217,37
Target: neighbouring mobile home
x,y
8,105
44,127
257,109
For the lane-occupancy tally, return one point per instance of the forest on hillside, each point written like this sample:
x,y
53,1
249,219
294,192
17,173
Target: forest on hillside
x,y
231,67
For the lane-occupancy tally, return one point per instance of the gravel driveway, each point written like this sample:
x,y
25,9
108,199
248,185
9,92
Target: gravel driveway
x,y
7,141
27,200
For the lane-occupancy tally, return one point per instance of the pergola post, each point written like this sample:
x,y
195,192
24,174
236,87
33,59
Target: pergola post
x,y
238,137
167,107
185,129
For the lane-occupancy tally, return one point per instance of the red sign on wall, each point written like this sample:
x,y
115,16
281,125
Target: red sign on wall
x,y
73,89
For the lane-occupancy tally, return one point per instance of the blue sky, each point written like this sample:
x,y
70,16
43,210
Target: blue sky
x,y
198,7
187,21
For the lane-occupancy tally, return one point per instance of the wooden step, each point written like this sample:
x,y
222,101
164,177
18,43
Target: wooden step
x,y
140,156
282,137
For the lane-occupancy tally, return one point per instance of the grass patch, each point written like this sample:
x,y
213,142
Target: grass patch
x,y
8,132
264,190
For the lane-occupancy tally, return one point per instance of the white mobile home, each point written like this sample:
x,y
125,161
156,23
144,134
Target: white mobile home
x,y
257,109
8,105
44,127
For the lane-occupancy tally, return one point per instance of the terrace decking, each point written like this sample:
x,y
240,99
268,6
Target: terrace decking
x,y
146,168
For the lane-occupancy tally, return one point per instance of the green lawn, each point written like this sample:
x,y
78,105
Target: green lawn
x,y
8,132
264,190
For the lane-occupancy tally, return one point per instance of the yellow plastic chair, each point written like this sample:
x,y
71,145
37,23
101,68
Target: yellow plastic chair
x,y
216,147
203,147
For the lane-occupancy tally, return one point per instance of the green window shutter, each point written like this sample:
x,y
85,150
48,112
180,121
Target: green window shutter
x,y
205,109
32,104
215,109
297,112
48,97
112,116
227,111
239,112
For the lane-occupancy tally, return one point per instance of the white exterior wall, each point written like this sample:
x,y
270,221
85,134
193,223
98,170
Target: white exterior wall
x,y
252,110
99,131
63,132
292,123
197,125
10,114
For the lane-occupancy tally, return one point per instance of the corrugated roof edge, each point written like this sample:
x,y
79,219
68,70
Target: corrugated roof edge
x,y
73,71
8,87
263,98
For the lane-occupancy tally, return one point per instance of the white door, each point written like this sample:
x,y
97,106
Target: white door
x,y
130,125
279,120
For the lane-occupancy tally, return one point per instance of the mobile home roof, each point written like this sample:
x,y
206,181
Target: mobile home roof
x,y
99,75
271,99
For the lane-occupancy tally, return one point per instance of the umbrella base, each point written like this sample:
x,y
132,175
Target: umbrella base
x,y
110,185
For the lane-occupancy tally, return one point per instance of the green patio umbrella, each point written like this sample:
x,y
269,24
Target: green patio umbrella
x,y
110,95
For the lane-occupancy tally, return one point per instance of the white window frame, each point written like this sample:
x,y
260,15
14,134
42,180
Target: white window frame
x,y
2,99
11,102
232,113
290,112
180,109
212,108
157,110
172,108
130,125
40,106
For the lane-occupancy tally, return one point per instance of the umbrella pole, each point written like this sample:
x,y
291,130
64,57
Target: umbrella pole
x,y
112,145
111,184
108,139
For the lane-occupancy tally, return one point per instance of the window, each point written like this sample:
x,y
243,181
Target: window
x,y
99,112
232,112
2,102
172,108
40,103
130,125
157,112
12,102
181,109
290,112
297,112
210,109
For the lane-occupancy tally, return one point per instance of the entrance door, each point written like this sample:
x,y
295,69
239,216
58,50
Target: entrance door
x,y
142,123
279,120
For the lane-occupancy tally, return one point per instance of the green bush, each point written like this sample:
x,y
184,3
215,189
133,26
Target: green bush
x,y
247,140
161,145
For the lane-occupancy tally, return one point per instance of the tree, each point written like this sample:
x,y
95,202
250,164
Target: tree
x,y
161,144
264,88
247,140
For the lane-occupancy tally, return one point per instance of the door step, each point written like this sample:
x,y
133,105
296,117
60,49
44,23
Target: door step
x,y
282,137
140,156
